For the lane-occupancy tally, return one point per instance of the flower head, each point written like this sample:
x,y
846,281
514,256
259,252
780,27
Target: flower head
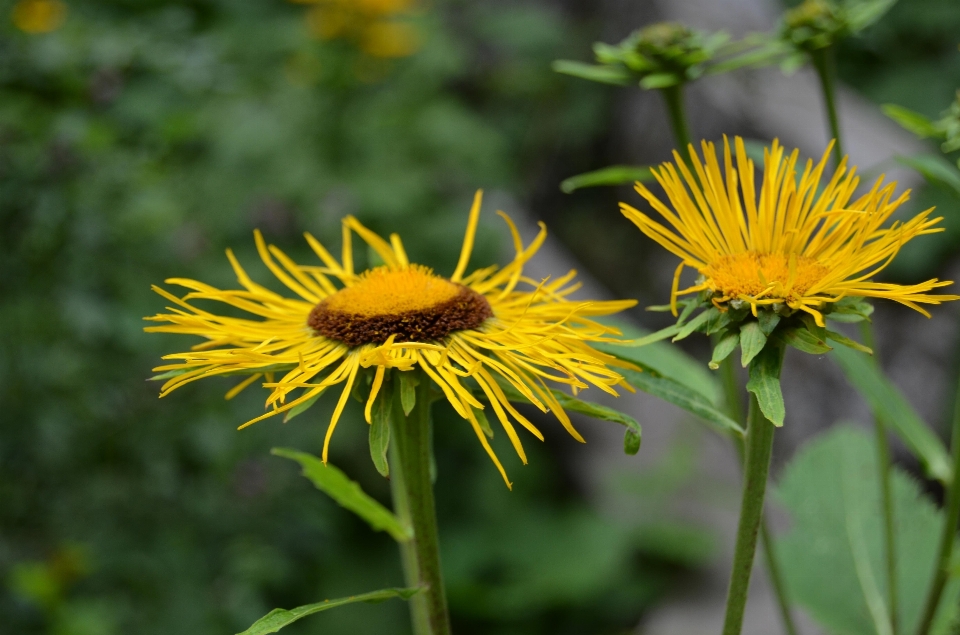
x,y
478,337
380,28
789,246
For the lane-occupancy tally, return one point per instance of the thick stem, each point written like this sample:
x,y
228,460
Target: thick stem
x,y
825,64
756,467
731,391
421,555
673,96
948,536
886,491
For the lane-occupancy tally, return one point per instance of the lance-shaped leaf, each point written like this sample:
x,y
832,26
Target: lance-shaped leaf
x,y
886,400
863,13
726,345
347,493
613,175
380,428
918,124
752,341
803,340
764,381
679,395
278,618
936,170
616,75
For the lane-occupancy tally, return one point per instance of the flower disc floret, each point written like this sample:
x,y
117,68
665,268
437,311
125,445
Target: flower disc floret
x,y
409,304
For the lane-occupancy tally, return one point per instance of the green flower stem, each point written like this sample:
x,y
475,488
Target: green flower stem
x,y
825,64
731,391
413,501
948,536
673,96
886,492
759,444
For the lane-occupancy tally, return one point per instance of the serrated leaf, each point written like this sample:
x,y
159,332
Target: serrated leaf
x,y
278,618
839,338
764,381
834,558
935,169
682,396
301,408
916,123
347,493
408,391
752,341
726,345
613,175
603,74
696,323
380,428
884,398
803,340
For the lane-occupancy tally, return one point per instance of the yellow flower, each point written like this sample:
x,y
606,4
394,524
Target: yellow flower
x,y
788,245
478,330
39,16
377,26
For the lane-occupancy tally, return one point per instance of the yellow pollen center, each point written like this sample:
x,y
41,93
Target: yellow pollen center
x,y
385,291
751,274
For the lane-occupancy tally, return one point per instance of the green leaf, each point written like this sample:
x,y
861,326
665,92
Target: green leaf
x,y
664,360
850,310
380,428
862,13
347,493
887,401
752,341
408,391
662,334
631,442
935,169
696,323
679,395
768,321
764,382
278,618
849,343
604,74
916,123
726,345
484,422
613,175
833,557
803,340
660,80
303,407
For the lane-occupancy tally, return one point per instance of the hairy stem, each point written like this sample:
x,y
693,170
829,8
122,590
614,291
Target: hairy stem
x,y
759,445
413,501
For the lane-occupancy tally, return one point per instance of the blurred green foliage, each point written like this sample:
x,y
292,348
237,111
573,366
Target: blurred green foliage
x,y
139,140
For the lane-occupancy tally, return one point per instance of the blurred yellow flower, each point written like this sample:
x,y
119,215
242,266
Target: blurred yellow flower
x,y
378,27
472,335
39,16
792,244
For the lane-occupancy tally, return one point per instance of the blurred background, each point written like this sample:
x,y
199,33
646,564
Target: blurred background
x,y
139,139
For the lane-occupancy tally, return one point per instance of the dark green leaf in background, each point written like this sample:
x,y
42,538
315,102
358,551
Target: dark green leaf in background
x,y
833,556
603,74
613,175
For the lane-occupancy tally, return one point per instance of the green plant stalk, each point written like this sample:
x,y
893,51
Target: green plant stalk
x,y
886,491
413,501
948,537
673,97
731,389
759,445
825,65
408,549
